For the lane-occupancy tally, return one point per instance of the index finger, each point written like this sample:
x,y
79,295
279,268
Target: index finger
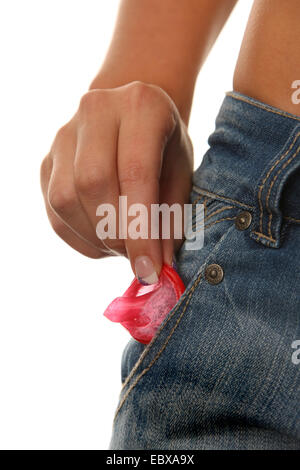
x,y
140,153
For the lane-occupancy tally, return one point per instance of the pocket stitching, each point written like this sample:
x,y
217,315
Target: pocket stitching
x,y
158,354
218,211
261,187
272,184
262,106
292,219
219,220
218,197
262,235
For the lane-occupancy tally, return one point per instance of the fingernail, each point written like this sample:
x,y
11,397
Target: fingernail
x,y
145,271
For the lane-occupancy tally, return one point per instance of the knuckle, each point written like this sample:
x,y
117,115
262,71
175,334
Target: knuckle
x,y
62,199
139,94
92,101
63,133
90,180
143,96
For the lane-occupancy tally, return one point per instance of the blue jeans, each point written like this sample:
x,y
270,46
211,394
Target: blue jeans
x,y
219,374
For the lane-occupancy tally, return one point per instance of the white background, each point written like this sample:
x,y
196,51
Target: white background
x,y
59,357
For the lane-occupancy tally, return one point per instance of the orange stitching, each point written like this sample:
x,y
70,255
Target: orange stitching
x,y
197,200
218,211
204,204
258,105
292,219
162,348
217,221
214,213
264,236
194,203
272,184
267,176
222,198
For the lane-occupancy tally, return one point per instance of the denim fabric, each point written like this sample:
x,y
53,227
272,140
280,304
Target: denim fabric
x,y
219,374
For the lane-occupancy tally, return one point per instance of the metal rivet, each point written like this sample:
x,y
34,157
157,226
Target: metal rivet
x,y
214,274
243,220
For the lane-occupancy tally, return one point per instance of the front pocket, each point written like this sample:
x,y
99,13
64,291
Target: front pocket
x,y
172,330
138,359
220,215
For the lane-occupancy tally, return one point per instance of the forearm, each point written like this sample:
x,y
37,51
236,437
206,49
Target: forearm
x,y
165,43
269,60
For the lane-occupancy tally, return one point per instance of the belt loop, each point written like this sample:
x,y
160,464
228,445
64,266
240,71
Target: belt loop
x,y
268,218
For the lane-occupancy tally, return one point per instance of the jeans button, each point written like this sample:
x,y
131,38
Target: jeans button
x,y
243,220
214,274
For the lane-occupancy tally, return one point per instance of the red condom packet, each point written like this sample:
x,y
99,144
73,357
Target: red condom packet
x,y
142,309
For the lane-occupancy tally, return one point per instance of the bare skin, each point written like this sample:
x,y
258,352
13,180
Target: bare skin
x,y
269,59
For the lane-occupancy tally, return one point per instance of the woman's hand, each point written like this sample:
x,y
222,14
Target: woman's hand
x,y
127,141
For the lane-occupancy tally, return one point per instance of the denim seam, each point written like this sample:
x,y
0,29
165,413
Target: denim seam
x,y
262,235
218,211
158,354
219,220
261,106
272,184
214,213
261,187
197,200
292,219
222,198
